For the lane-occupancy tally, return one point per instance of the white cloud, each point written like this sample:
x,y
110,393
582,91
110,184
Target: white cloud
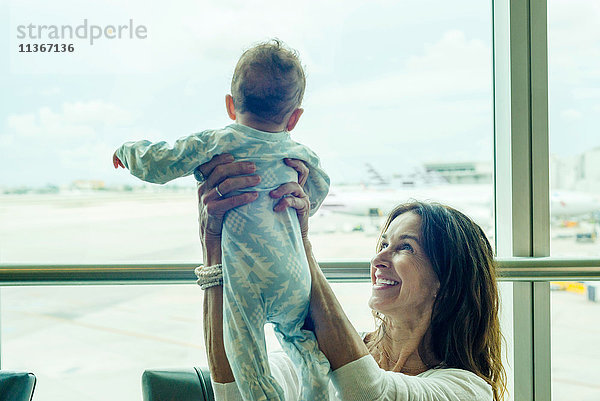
x,y
90,159
452,51
73,141
6,140
451,67
23,124
75,120
97,112
585,93
439,102
574,40
188,35
571,114
51,91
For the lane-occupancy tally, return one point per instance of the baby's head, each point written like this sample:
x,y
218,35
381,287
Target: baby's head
x,y
268,85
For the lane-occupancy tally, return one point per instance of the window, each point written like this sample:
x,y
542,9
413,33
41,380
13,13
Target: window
x,y
574,104
398,106
82,342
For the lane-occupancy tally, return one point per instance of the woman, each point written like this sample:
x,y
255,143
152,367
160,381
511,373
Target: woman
x,y
434,293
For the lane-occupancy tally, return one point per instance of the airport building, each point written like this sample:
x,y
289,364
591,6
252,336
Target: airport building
x,y
462,173
578,173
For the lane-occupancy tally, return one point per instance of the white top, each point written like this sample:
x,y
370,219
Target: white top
x,y
364,380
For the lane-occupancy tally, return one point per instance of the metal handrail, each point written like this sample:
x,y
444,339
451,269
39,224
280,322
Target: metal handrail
x,y
510,269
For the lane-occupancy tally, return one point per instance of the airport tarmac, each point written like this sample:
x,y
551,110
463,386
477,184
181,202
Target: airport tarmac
x,y
93,342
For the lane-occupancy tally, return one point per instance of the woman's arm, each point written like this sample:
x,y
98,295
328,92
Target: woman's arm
x,y
363,380
221,171
336,336
220,370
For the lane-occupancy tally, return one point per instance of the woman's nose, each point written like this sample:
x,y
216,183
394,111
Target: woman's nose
x,y
379,261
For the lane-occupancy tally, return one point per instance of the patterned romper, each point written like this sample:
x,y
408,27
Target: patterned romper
x,y
265,272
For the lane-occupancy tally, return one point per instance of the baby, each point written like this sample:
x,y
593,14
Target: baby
x,y
265,272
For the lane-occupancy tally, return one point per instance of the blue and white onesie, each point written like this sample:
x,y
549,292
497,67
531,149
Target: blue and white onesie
x,y
266,277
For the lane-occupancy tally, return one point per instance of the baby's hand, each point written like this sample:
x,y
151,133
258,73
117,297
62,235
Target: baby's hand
x,y
117,162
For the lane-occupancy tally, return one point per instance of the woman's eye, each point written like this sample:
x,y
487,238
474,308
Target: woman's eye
x,y
401,247
406,247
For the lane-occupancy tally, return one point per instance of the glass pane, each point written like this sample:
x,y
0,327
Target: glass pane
x,y
94,342
575,351
398,106
87,343
574,106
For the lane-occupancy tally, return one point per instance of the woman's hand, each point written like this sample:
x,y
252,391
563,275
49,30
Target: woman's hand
x,y
222,177
292,195
300,168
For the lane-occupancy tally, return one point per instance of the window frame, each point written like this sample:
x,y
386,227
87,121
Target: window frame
x,y
521,181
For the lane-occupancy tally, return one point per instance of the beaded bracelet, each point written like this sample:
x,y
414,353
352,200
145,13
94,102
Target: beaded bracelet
x,y
209,271
204,286
209,276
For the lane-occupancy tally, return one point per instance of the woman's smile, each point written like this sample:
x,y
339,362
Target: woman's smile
x,y
381,282
385,284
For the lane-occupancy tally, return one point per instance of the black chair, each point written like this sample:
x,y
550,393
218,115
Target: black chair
x,y
192,384
16,386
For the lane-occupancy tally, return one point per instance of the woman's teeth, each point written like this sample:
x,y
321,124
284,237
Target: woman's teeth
x,y
385,281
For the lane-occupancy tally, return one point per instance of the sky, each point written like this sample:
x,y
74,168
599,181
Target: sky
x,y
392,83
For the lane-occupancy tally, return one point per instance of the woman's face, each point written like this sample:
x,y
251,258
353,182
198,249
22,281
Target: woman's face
x,y
404,283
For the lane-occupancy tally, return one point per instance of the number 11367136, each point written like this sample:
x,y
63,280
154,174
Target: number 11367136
x,y
46,48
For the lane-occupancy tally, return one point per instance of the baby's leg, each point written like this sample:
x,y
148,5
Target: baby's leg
x,y
287,311
301,346
243,334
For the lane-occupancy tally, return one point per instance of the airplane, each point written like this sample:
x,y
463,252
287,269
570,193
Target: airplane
x,y
569,204
475,200
379,195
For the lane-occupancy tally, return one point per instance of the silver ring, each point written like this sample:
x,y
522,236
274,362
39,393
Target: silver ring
x,y
219,192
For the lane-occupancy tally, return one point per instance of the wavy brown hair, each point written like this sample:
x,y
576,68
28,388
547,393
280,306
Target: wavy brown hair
x,y
465,327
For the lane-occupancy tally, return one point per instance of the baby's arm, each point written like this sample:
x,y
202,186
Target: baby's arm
x,y
158,162
317,187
